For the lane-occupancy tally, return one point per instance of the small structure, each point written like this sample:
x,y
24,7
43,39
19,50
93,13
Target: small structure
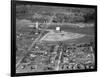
x,y
23,66
58,29
37,25
37,28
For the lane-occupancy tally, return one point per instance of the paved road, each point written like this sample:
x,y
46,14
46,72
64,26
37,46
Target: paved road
x,y
59,59
36,40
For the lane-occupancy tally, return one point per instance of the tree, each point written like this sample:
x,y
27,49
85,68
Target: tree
x,y
89,17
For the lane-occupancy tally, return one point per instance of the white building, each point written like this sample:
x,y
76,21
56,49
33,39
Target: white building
x,y
58,29
37,25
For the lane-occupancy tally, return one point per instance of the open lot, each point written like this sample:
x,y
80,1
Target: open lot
x,y
60,36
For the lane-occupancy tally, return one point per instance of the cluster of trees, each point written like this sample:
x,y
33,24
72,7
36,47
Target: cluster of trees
x,y
68,18
90,17
75,15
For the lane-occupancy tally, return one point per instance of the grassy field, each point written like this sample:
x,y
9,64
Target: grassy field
x,y
85,39
88,31
85,30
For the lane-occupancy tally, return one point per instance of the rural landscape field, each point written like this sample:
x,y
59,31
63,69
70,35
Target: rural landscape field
x,y
51,38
